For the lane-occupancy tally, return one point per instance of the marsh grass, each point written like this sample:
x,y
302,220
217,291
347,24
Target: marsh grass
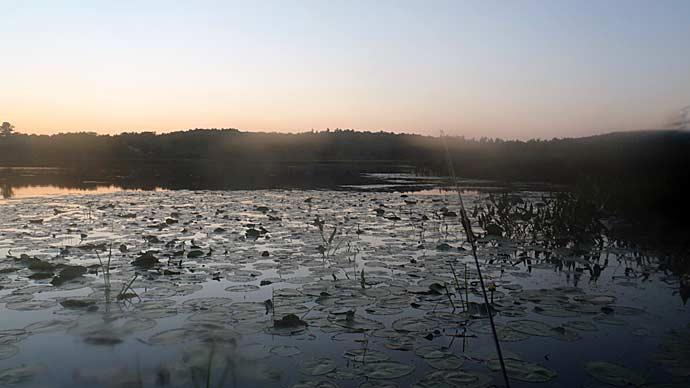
x,y
328,247
124,295
105,270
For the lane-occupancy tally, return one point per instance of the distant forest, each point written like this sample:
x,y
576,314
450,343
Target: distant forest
x,y
645,168
615,155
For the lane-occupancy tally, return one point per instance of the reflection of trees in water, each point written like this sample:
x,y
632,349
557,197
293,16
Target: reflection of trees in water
x,y
7,190
194,176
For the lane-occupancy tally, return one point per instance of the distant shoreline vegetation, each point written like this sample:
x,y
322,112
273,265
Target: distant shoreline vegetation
x,y
623,154
638,174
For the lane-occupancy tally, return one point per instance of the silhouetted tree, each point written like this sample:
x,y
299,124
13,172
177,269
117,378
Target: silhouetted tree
x,y
6,129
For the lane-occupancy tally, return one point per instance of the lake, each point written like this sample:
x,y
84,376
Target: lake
x,y
358,286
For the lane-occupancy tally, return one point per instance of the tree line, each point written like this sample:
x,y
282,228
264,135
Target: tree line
x,y
642,172
624,154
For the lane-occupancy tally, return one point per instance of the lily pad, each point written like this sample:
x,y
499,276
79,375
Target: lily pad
x,y
453,379
450,362
365,355
242,288
431,352
355,322
285,350
524,371
7,351
614,374
317,367
581,325
387,370
534,328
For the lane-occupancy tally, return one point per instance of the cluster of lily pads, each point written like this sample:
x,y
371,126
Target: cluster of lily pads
x,y
296,288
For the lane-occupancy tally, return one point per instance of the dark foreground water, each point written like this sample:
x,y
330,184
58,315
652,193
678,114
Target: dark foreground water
x,y
184,288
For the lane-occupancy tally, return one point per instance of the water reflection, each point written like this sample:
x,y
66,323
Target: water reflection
x,y
9,191
6,190
26,182
20,182
197,265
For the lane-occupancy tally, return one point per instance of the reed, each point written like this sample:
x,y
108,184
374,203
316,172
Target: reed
x,y
467,226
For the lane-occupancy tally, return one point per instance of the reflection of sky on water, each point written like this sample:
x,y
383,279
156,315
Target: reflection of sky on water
x,y
42,191
20,192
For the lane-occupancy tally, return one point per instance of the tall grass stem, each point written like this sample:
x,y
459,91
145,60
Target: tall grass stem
x,y
470,238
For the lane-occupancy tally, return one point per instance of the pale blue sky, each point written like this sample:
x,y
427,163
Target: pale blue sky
x,y
480,68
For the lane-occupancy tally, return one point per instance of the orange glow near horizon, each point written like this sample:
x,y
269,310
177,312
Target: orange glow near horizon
x,y
114,114
534,69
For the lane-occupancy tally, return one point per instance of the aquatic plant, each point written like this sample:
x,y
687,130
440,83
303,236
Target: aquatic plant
x,y
467,226
395,302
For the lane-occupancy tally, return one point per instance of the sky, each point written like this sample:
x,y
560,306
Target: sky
x,y
510,69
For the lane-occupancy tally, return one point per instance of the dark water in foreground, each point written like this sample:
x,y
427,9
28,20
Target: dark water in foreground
x,y
194,307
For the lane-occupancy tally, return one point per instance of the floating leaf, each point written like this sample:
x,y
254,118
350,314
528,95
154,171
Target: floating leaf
x,y
535,328
285,350
344,374
365,355
242,288
564,334
355,322
7,351
609,320
432,351
580,325
317,367
613,374
507,334
595,299
453,379
451,362
554,311
387,370
524,371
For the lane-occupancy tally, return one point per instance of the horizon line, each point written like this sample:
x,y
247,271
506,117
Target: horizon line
x,y
331,130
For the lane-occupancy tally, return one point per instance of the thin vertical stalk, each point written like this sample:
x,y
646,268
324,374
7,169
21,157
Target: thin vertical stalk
x,y
457,285
450,299
470,238
467,291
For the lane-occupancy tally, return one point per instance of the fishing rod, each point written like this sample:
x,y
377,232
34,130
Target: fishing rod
x,y
470,238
